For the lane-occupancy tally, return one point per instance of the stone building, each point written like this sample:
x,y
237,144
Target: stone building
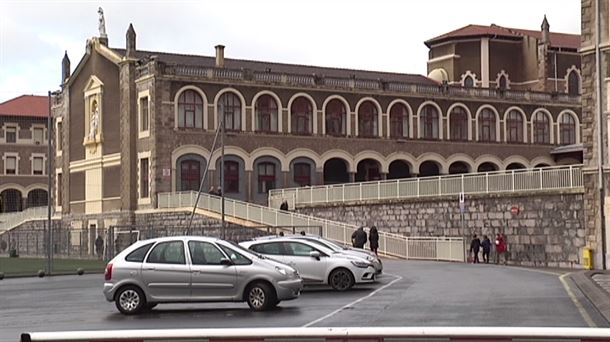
x,y
137,123
23,152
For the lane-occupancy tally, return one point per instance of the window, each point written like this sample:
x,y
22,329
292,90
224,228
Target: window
x,y
231,170
139,254
266,114
171,252
10,134
10,165
502,83
235,256
514,127
205,253
399,121
302,113
468,82
487,125
367,120
144,176
60,136
190,171
573,83
458,124
429,122
266,177
298,249
302,174
190,110
541,129
273,248
37,165
59,189
335,118
230,107
38,135
567,128
144,114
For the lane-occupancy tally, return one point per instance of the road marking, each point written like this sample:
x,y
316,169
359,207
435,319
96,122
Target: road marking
x,y
354,302
576,302
537,271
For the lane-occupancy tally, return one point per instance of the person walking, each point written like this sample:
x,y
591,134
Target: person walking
x,y
486,245
359,238
374,239
284,205
99,246
475,246
500,248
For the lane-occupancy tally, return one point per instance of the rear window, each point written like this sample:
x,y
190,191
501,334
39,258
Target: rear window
x,y
139,254
272,248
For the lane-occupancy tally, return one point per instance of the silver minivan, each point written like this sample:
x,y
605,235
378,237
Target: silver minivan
x,y
196,269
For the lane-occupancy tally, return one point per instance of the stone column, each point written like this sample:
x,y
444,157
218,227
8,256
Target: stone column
x,y
248,186
352,177
384,176
318,177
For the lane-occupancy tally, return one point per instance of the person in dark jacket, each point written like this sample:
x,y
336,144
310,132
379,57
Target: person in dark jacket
x,y
486,245
374,239
359,238
284,205
99,246
475,245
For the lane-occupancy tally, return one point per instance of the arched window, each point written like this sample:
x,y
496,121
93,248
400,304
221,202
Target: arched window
x,y
302,174
190,109
231,170
266,114
502,82
567,129
541,128
487,125
266,177
230,107
514,127
458,124
573,83
367,119
335,118
190,172
468,82
429,122
302,113
399,121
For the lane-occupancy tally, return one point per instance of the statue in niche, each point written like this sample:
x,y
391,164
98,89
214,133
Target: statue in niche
x,y
94,121
102,22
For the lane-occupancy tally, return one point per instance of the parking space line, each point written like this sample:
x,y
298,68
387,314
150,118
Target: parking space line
x,y
354,302
581,309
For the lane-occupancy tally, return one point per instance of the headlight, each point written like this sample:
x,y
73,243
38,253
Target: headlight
x,y
360,264
281,271
370,258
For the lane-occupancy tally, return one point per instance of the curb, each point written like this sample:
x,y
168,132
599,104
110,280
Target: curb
x,y
598,297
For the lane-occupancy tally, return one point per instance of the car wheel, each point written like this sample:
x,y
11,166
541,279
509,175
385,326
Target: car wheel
x,y
341,279
130,300
260,297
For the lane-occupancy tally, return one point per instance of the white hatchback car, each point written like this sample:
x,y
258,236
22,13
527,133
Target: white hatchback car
x,y
315,263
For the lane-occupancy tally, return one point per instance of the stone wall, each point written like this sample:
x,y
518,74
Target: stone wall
x,y
547,231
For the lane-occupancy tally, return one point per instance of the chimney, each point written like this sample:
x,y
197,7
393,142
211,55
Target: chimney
x,y
130,42
65,68
220,56
546,39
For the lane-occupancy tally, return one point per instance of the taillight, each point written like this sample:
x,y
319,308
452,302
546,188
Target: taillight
x,y
108,272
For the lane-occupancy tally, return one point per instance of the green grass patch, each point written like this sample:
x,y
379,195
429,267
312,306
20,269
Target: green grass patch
x,y
30,266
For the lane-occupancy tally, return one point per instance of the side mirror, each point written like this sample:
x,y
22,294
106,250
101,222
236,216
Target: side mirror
x,y
315,254
226,262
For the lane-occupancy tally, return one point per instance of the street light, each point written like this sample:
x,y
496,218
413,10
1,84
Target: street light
x,y
222,171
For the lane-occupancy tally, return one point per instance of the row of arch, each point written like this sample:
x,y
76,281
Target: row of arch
x,y
14,197
191,111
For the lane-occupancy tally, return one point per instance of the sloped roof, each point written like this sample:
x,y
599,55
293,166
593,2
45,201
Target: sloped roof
x,y
26,105
262,66
561,40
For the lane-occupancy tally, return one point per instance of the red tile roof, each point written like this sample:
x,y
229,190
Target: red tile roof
x,y
26,105
561,40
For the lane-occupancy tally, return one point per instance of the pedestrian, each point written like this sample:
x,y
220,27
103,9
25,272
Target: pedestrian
x,y
486,245
219,192
475,245
99,246
500,248
359,238
303,232
281,234
374,239
212,191
284,205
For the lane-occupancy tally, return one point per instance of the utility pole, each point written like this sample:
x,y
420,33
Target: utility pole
x,y
222,171
49,189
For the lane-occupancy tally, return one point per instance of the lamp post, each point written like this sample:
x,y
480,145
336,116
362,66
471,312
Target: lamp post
x,y
49,185
222,171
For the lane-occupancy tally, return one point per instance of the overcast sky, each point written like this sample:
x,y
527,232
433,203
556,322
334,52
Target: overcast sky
x,y
380,35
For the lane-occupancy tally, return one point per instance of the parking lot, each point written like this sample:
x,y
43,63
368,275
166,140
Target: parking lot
x,y
410,293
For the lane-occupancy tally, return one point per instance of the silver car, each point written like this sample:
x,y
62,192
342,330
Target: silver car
x,y
315,263
196,269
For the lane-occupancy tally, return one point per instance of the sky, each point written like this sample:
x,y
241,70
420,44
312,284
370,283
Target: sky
x,y
382,35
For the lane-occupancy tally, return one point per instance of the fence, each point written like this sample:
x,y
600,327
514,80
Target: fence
x,y
541,179
432,248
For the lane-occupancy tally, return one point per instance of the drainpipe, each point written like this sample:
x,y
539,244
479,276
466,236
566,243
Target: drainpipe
x,y
599,120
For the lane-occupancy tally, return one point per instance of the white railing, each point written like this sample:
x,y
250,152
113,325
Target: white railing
x,y
541,179
11,220
427,248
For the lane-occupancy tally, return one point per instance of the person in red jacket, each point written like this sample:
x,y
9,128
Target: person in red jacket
x,y
500,248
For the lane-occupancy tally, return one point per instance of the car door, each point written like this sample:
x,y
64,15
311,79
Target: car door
x,y
166,273
210,279
297,255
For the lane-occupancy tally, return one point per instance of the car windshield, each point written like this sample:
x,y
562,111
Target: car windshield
x,y
244,250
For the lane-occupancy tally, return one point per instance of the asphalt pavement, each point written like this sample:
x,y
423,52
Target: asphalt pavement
x,y
410,293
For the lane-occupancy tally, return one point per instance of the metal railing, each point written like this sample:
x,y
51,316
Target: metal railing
x,y
541,179
11,220
427,248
